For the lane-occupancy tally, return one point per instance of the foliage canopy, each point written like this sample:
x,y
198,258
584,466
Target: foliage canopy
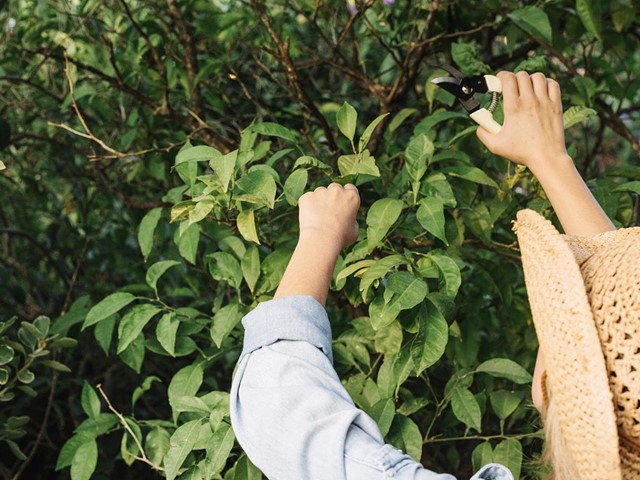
x,y
152,155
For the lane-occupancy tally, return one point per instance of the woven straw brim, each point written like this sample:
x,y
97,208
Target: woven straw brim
x,y
609,265
575,365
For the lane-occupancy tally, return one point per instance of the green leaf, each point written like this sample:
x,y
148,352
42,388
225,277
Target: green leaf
x,y
311,161
273,130
347,117
224,167
188,172
383,412
186,382
623,13
69,449
417,155
403,291
13,446
144,387
190,404
505,368
470,173
158,269
187,241
590,13
450,272
107,307
257,187
55,365
166,332
399,118
246,223
576,114
436,118
534,21
431,340
509,453
628,187
250,266
245,470
388,340
180,445
4,375
479,222
354,268
406,436
26,376
132,324
465,408
381,216
294,186
366,135
156,444
219,447
201,209
6,354
84,461
133,355
90,401
481,456
504,402
103,333
200,153
360,164
224,321
225,268
128,446
378,270
430,215
466,56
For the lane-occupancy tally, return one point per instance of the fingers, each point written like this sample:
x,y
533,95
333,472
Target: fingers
x,y
509,89
525,86
553,89
539,82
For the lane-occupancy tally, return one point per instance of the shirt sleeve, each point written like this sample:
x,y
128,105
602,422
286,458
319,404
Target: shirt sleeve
x,y
290,412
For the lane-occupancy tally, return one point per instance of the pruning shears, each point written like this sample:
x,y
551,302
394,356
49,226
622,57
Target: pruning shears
x,y
465,89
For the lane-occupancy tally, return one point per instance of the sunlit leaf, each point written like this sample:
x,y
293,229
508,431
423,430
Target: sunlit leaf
x,y
346,119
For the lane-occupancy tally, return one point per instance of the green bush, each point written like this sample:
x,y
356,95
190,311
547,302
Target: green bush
x,y
154,156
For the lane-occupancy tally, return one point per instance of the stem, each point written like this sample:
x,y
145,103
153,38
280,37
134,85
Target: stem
x,y
126,426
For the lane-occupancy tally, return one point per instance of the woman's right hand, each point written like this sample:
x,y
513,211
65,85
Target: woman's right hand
x,y
533,130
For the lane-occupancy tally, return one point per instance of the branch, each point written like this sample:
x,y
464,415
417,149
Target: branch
x,y
43,425
26,81
41,247
292,74
164,108
126,426
88,134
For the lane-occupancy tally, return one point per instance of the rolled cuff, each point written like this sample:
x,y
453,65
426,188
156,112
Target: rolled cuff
x,y
300,318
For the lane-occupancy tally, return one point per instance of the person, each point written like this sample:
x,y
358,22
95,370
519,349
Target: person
x,y
584,293
290,413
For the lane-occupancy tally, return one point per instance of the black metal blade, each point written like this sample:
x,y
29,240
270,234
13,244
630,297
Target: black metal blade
x,y
452,85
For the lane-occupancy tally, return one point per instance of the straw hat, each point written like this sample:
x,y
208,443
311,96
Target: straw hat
x,y
584,294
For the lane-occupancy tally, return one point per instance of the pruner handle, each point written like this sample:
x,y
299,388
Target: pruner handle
x,y
484,117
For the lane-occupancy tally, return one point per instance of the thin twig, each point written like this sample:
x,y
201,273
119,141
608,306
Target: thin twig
x,y
43,426
126,426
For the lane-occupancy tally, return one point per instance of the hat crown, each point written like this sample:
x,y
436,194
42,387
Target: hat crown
x,y
609,265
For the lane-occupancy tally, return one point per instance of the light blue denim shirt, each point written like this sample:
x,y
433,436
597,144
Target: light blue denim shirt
x,y
293,417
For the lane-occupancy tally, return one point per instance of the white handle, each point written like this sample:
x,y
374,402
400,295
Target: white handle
x,y
484,118
493,83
